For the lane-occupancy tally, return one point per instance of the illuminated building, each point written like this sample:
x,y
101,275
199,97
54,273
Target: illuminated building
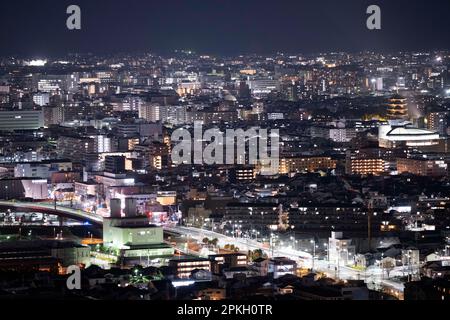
x,y
154,155
242,173
86,189
249,72
212,294
232,272
75,148
19,188
53,115
437,122
109,180
318,216
306,164
188,88
275,116
137,129
183,267
340,249
136,239
281,266
396,107
211,116
337,133
243,216
228,260
401,134
21,120
41,169
342,134
50,85
41,99
166,198
357,163
174,115
262,87
150,112
422,167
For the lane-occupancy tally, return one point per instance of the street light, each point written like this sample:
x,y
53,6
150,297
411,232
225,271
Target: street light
x,y
313,241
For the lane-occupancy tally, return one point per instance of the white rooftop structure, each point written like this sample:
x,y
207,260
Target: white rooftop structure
x,y
402,132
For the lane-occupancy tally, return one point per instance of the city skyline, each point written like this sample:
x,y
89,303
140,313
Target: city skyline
x,y
146,154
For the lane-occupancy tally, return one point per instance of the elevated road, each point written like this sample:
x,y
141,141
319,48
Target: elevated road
x,y
48,208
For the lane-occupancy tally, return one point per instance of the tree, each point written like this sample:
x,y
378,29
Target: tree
x,y
388,265
214,242
256,254
230,247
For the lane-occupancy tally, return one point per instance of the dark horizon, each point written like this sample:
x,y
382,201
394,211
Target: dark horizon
x,y
38,28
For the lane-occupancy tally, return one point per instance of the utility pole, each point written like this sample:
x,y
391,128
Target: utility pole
x,y
369,223
271,244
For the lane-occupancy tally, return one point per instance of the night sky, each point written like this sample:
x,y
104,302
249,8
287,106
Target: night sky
x,y
38,27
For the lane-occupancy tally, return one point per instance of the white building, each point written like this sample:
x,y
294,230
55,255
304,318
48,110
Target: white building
x,y
342,134
401,133
341,252
42,169
262,87
281,266
41,99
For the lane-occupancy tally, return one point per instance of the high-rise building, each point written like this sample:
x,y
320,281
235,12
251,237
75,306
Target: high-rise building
x,y
53,115
437,121
150,112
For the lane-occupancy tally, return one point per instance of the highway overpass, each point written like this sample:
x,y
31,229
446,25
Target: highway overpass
x,y
48,208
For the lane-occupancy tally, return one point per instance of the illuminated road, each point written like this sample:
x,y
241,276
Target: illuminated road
x,y
372,276
48,208
241,243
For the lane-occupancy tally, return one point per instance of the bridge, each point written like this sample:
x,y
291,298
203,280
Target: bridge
x,y
48,208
